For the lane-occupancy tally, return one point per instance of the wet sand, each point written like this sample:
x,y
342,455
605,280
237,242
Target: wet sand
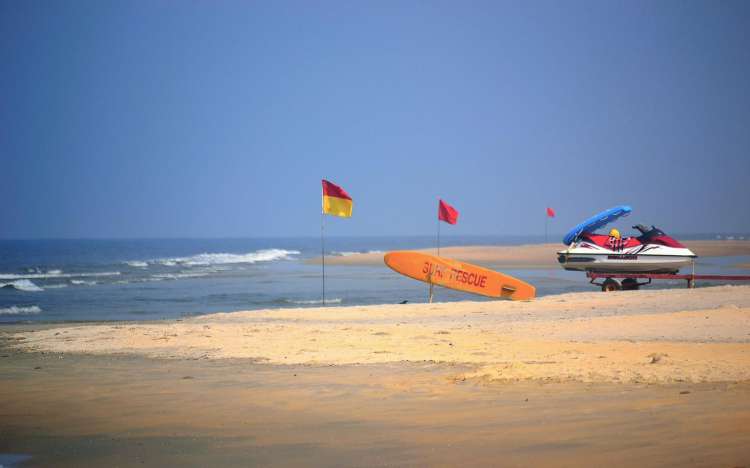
x,y
535,255
647,378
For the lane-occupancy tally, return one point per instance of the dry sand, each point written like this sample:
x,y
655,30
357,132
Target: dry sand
x,y
536,255
638,378
657,336
84,410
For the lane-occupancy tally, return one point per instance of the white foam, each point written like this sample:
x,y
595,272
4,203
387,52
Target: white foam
x,y
204,259
55,274
83,282
174,276
335,300
22,285
18,310
95,275
137,264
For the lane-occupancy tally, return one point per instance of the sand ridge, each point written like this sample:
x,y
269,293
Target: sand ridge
x,y
658,336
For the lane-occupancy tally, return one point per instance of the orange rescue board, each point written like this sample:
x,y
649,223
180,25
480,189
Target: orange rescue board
x,y
458,275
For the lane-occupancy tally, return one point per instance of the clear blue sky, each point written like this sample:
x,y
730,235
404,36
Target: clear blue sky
x,y
202,119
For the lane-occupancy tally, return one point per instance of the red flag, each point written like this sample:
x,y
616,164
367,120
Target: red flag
x,y
550,212
447,213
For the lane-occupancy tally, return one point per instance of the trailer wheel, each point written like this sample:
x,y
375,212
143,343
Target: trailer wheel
x,y
610,284
630,284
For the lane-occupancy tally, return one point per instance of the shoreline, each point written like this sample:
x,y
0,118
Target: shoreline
x,y
529,256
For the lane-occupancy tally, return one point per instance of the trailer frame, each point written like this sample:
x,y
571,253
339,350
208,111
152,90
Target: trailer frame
x,y
610,282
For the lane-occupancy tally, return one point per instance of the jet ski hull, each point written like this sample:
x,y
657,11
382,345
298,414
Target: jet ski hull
x,y
623,263
651,252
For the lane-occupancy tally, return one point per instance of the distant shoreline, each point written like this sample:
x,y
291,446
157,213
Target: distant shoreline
x,y
517,239
531,255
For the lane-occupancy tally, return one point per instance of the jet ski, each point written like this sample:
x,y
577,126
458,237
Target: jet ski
x,y
652,251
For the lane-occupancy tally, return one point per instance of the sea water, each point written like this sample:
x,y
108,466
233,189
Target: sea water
x,y
96,280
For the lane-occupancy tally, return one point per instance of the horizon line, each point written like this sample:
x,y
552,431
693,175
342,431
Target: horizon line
x,y
551,235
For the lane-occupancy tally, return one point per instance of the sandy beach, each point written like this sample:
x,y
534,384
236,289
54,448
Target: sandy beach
x,y
648,377
652,336
534,255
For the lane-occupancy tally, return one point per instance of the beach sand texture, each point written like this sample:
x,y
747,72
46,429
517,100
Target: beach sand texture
x,y
84,410
535,255
657,336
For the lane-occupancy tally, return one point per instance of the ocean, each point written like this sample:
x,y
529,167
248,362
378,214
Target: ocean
x,y
150,279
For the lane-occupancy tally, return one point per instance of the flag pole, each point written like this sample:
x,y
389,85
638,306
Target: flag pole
x,y
323,255
546,222
438,238
432,286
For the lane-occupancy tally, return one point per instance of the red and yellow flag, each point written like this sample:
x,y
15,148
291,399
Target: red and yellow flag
x,y
336,201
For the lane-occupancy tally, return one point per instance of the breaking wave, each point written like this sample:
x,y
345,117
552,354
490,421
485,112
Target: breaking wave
x,y
137,264
51,274
204,259
83,282
18,310
175,276
22,285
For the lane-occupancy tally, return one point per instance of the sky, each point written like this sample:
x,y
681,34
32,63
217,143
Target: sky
x,y
219,119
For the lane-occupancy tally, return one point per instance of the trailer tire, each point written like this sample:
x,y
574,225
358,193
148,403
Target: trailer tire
x,y
611,284
630,284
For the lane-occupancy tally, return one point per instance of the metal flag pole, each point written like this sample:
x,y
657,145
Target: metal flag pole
x,y
323,254
438,237
546,223
432,286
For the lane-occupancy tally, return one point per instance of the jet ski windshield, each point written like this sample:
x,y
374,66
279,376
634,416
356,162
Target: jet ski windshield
x,y
654,235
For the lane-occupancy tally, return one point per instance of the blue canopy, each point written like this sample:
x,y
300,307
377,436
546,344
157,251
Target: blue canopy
x,y
597,221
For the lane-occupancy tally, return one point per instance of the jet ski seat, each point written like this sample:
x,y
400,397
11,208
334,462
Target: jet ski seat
x,y
603,240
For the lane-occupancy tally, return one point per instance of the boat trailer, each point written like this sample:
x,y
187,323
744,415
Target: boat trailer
x,y
630,280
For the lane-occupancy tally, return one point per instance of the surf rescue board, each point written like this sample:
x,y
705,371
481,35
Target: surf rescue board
x,y
457,275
